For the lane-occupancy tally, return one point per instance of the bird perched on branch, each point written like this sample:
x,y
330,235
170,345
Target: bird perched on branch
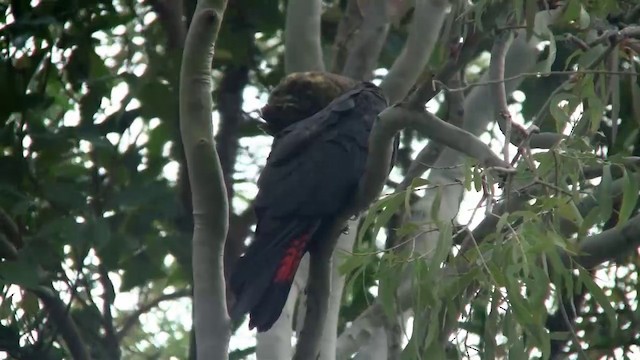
x,y
321,124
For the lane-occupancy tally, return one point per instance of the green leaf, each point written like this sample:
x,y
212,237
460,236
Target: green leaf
x,y
559,113
19,272
29,303
545,65
605,201
635,97
468,175
502,222
629,197
389,280
518,304
98,232
6,308
516,346
435,206
349,263
477,178
589,221
445,242
600,297
589,57
571,11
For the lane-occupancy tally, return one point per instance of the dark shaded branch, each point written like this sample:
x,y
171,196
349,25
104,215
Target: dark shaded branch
x,y
239,230
134,318
368,42
10,238
615,36
302,36
629,162
59,315
229,100
563,320
318,289
499,93
609,244
170,14
347,27
111,339
209,198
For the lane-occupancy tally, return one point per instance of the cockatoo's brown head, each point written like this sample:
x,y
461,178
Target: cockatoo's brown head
x,y
300,95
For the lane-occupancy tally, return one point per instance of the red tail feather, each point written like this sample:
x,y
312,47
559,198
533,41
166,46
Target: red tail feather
x,y
291,259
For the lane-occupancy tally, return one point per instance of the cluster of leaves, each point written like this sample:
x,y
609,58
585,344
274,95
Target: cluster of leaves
x,y
517,291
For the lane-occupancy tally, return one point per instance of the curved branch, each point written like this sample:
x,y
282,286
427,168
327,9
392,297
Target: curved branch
x,y
364,52
431,152
133,319
302,36
428,18
60,317
609,244
400,116
210,206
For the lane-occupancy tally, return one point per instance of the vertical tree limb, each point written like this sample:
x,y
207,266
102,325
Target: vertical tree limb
x,y
428,18
329,335
347,27
302,36
209,198
368,42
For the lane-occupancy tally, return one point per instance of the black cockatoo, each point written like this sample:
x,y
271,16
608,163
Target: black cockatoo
x,y
317,158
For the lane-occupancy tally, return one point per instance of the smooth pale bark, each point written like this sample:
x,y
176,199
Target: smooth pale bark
x,y
425,27
209,196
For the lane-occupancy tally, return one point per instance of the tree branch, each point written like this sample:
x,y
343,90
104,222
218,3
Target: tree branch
x,y
609,244
428,18
108,297
134,318
210,206
329,336
427,89
347,27
368,42
431,152
10,238
302,36
170,14
229,99
60,317
318,289
398,117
